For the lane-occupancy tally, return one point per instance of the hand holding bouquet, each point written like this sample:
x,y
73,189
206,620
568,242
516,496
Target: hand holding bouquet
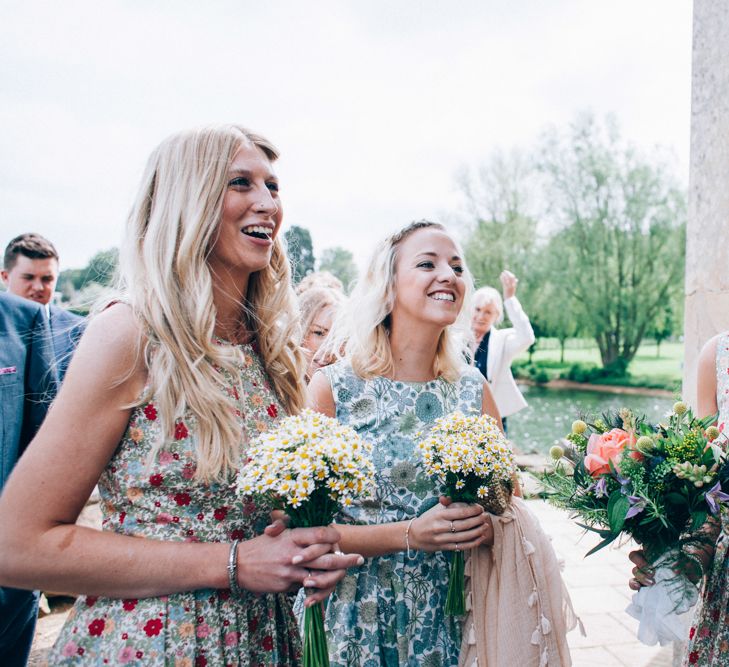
x,y
657,485
472,460
309,466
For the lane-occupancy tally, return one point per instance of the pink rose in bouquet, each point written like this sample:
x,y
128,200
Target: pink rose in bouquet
x,y
605,447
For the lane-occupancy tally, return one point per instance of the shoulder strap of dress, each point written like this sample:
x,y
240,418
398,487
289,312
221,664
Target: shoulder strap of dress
x,y
336,372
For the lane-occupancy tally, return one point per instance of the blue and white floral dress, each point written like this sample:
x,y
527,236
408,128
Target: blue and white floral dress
x,y
390,611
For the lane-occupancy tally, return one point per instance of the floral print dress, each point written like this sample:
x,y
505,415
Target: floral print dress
x,y
709,636
195,628
390,611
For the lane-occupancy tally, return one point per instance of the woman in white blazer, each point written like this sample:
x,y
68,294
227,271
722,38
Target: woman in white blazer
x,y
495,349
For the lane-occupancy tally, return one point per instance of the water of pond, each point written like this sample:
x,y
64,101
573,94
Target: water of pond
x,y
551,412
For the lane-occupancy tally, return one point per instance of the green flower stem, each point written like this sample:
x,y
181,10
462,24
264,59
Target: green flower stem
x,y
456,599
318,510
316,653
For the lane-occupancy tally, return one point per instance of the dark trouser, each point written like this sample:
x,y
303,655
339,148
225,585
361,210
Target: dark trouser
x,y
503,422
18,611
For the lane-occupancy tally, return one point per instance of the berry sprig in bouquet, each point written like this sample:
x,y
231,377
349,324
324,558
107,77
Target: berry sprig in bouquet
x,y
656,484
309,466
473,462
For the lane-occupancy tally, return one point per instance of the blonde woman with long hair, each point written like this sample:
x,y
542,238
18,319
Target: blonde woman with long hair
x,y
198,354
403,366
318,307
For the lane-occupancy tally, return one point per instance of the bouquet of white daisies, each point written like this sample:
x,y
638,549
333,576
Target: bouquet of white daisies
x,y
309,466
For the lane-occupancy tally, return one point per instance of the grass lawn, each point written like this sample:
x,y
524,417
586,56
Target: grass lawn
x,y
646,369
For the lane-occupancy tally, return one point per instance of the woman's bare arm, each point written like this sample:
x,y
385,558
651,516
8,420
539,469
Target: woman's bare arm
x,y
706,379
40,545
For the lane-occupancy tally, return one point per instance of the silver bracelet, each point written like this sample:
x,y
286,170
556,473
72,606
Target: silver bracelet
x,y
407,536
235,589
696,560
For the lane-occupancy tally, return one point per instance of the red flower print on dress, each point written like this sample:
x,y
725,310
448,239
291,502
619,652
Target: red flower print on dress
x,y
693,657
96,627
153,627
182,499
237,534
692,632
267,643
91,600
180,431
253,625
201,661
220,513
150,412
129,604
272,411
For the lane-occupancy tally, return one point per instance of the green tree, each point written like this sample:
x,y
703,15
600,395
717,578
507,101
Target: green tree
x,y
502,230
622,232
339,262
300,251
663,326
101,270
552,304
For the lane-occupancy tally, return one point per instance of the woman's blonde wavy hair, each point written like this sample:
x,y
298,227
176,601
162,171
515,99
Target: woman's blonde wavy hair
x,y
362,327
165,278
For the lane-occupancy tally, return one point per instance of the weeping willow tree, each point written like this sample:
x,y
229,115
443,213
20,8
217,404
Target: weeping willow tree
x,y
620,232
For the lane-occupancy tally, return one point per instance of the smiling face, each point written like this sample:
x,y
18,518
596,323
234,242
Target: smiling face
x,y
251,217
33,279
485,315
429,285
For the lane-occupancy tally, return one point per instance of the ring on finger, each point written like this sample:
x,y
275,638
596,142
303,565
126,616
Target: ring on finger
x,y
457,547
453,528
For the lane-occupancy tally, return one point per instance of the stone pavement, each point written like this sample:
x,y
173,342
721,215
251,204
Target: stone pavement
x,y
598,585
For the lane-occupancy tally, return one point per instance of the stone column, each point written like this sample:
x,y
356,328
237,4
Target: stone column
x,y
707,235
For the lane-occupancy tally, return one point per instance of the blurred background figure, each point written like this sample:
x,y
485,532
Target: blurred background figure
x,y
495,349
30,270
318,306
27,385
319,279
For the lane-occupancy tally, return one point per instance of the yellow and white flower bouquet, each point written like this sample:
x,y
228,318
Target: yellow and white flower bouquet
x,y
473,462
309,466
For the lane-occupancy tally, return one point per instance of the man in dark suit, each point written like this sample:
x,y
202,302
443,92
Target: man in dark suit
x,y
27,385
30,271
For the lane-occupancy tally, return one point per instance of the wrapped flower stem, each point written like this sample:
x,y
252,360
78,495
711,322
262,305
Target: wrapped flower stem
x,y
456,598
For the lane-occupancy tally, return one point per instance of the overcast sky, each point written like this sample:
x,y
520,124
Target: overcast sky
x,y
374,104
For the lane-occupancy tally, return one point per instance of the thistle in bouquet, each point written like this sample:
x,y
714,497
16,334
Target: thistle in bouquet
x,y
309,466
656,484
473,462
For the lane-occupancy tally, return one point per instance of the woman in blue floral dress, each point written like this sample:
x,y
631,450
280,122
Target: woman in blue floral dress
x,y
165,388
402,369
